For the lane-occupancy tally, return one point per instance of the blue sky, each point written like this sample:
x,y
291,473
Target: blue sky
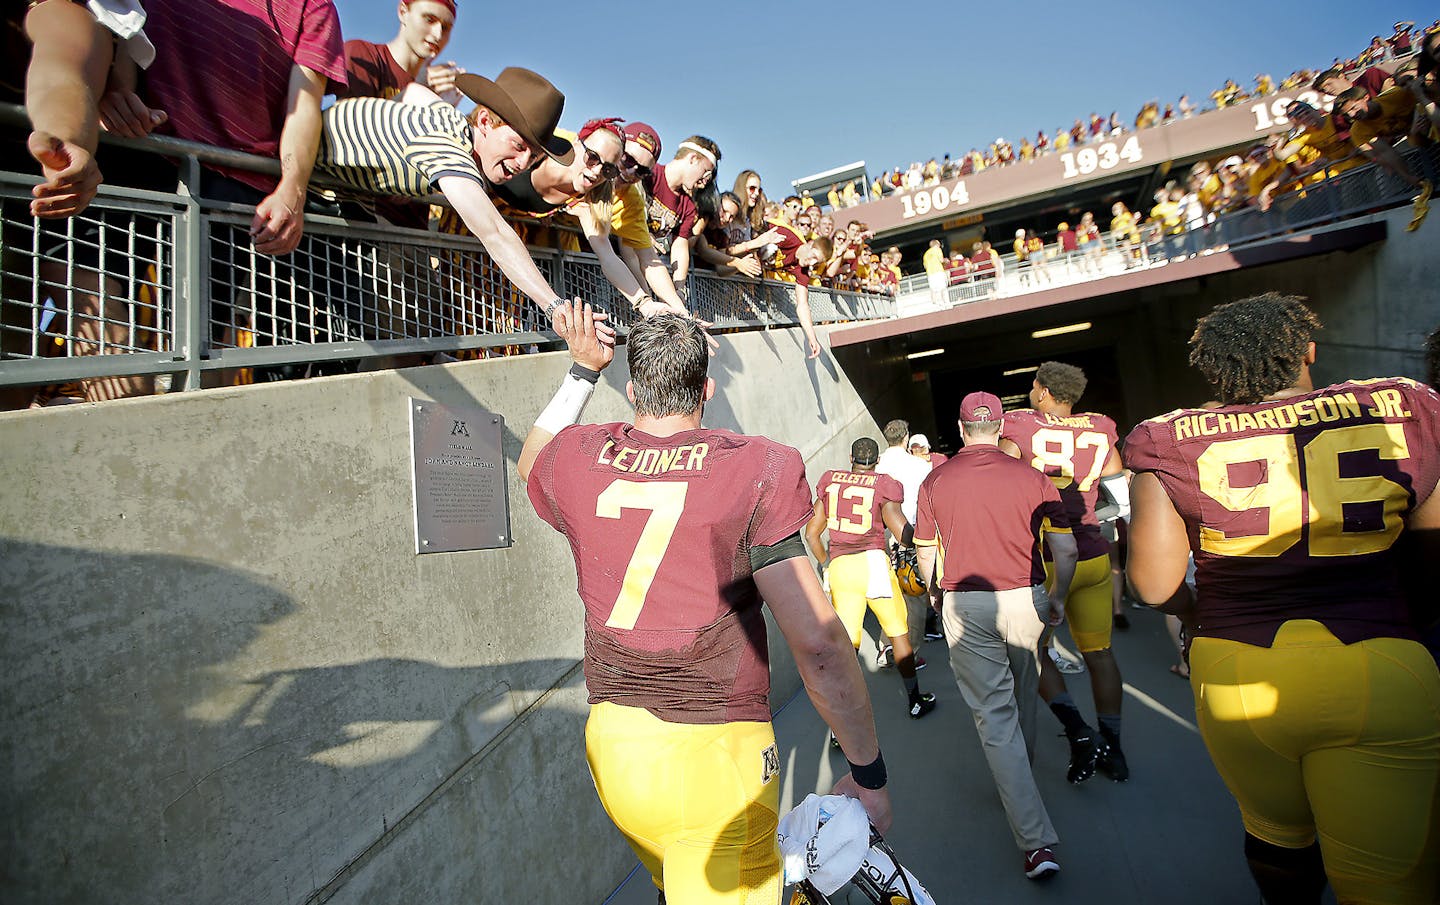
x,y
790,88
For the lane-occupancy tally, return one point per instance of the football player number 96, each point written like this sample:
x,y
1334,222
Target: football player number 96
x,y
664,501
1279,492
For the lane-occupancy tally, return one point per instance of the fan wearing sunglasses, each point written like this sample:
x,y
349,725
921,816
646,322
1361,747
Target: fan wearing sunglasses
x,y
628,220
584,189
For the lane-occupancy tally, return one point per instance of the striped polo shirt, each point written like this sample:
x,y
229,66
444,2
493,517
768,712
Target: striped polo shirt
x,y
391,148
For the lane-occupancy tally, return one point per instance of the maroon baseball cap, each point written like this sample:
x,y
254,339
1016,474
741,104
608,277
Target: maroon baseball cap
x,y
981,407
645,137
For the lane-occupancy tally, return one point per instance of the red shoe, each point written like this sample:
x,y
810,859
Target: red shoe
x,y
1041,863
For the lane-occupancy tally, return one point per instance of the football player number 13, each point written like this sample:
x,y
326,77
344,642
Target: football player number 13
x,y
1279,491
863,503
664,501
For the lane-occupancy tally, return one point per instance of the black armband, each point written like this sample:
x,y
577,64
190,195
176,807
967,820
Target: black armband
x,y
789,548
583,373
871,776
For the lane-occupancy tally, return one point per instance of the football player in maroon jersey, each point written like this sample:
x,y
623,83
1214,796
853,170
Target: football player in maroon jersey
x,y
856,507
1319,707
1077,452
678,533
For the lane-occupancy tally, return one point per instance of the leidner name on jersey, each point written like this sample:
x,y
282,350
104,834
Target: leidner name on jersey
x,y
687,458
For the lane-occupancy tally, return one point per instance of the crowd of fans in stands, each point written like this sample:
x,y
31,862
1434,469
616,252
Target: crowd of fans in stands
x,y
1098,128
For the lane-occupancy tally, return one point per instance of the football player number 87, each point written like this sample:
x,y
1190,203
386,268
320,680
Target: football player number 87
x,y
1278,492
664,501
1055,455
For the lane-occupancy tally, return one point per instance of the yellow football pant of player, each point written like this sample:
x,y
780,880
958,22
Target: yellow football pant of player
x,y
849,583
1315,737
1088,607
699,804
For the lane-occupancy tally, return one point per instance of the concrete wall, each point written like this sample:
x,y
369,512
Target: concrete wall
x,y
230,680
1377,303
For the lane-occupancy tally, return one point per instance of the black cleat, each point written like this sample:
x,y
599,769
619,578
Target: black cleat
x,y
1122,622
921,706
1083,751
1111,761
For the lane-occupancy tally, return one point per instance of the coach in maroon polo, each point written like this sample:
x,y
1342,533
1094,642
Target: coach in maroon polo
x,y
983,512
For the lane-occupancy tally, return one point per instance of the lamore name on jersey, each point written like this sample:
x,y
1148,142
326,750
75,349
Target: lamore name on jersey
x,y
1082,421
1387,403
650,461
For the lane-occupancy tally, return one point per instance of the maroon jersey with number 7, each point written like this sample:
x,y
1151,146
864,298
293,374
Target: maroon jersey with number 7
x,y
1293,506
661,530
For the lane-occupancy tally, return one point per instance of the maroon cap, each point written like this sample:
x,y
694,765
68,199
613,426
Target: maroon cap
x,y
448,4
981,407
645,137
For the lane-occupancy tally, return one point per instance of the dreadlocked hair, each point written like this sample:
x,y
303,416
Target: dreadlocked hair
x,y
1253,347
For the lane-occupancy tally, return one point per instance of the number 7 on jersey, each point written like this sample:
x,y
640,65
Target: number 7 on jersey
x,y
665,501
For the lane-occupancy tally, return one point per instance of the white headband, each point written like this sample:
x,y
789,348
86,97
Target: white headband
x,y
699,150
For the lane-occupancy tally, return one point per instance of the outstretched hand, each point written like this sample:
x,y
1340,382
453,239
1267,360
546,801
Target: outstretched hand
x,y
71,176
591,342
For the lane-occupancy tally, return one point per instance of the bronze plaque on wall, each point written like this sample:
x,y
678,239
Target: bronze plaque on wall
x,y
461,498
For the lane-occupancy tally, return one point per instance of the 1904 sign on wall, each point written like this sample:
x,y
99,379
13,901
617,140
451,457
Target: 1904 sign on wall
x,y
461,499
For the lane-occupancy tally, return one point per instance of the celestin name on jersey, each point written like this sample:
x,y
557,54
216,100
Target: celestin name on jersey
x,y
690,457
1331,407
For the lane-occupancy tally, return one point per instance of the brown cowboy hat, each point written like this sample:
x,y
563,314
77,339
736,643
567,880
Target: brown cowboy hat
x,y
527,102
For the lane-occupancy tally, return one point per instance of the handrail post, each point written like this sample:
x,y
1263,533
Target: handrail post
x,y
192,308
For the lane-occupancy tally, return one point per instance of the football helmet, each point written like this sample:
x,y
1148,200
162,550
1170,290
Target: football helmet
x,y
882,879
907,570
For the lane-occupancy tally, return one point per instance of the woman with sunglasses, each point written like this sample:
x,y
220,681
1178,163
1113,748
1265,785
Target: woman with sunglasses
x,y
752,200
584,190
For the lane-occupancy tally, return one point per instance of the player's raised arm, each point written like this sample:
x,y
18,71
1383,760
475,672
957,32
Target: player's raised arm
x,y
592,346
827,665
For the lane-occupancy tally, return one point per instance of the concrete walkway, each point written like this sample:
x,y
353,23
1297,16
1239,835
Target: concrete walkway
x,y
1171,834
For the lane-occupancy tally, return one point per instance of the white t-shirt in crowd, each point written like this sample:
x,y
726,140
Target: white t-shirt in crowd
x,y
909,470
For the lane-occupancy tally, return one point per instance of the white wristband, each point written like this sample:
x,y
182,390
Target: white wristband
x,y
1116,488
564,410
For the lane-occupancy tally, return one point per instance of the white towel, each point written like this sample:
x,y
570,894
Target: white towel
x,y
878,562
126,18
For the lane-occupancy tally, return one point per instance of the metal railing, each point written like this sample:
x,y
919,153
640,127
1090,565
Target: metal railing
x,y
1361,190
150,283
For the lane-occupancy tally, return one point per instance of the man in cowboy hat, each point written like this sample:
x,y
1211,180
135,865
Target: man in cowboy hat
x,y
422,144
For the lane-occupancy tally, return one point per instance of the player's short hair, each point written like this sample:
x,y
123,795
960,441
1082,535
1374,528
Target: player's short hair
x,y
1253,347
1065,382
668,358
1432,358
864,451
896,431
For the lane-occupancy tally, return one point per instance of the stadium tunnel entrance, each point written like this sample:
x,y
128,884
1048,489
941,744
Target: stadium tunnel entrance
x,y
1130,332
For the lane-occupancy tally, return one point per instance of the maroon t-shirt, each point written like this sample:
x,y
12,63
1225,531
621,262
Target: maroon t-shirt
x,y
222,71
852,501
1072,452
371,70
661,530
1067,240
789,250
1293,506
668,213
1372,80
985,510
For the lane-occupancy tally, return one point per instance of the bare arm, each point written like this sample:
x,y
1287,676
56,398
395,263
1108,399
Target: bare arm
x,y
1010,447
925,562
813,529
632,259
1064,552
591,345
474,207
280,217
894,518
610,264
1380,151
680,257
1159,548
827,665
802,308
68,67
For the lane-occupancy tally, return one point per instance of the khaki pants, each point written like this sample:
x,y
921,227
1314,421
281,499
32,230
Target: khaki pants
x,y
993,638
